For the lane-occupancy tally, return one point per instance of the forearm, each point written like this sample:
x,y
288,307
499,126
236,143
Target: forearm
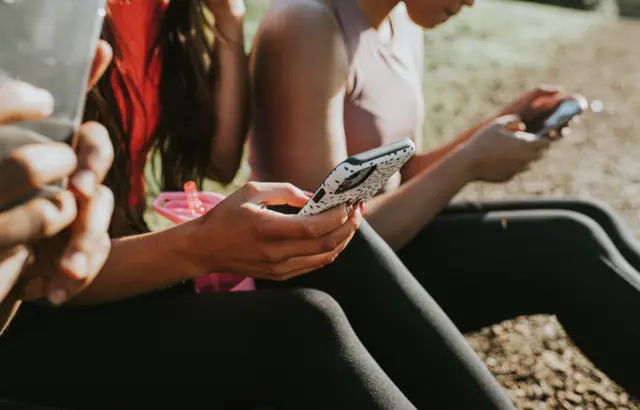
x,y
143,263
421,162
399,215
232,97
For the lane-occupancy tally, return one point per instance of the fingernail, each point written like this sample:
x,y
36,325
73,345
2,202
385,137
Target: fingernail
x,y
76,264
57,296
309,194
85,182
348,208
363,208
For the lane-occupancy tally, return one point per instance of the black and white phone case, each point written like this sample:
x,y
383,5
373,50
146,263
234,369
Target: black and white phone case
x,y
360,177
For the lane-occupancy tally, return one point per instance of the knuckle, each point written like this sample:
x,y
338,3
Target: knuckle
x,y
251,188
21,168
52,218
329,243
281,278
106,197
97,137
311,230
271,257
104,243
289,187
328,258
274,271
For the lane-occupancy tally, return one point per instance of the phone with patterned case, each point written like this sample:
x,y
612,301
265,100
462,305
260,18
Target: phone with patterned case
x,y
360,177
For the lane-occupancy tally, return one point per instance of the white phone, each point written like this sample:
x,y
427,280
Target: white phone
x,y
360,177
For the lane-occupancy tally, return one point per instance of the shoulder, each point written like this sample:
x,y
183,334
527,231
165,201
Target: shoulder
x,y
303,29
299,13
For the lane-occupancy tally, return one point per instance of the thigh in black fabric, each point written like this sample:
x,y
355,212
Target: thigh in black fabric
x,y
601,212
292,348
403,328
484,267
16,405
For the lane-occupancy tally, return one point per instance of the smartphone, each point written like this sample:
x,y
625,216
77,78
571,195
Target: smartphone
x,y
565,112
51,44
360,177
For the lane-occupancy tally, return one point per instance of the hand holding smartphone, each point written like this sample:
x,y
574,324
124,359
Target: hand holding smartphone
x,y
561,116
49,44
360,177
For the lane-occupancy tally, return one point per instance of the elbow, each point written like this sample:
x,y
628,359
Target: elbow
x,y
223,170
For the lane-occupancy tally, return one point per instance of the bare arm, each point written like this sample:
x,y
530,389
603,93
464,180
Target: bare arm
x,y
143,263
430,181
232,99
299,72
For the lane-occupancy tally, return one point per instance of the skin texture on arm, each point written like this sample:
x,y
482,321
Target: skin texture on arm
x,y
423,161
232,99
299,69
299,76
143,263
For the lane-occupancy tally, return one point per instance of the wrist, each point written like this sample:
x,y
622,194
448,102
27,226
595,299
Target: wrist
x,y
189,243
229,33
468,160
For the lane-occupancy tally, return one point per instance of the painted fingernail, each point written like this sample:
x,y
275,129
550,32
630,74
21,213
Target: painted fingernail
x,y
76,264
348,208
85,182
57,296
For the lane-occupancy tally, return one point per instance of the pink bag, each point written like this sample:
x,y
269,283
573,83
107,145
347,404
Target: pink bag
x,y
180,207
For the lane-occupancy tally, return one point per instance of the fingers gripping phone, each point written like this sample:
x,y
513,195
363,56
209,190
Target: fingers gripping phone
x,y
360,177
563,114
49,44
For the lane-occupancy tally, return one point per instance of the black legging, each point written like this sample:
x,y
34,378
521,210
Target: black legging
x,y
291,349
487,262
483,263
299,349
301,353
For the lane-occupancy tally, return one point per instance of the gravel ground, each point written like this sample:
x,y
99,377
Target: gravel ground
x,y
480,61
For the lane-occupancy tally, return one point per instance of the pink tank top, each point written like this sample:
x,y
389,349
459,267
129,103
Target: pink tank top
x,y
384,100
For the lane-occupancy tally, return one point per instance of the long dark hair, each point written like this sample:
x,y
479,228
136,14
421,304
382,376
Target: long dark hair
x,y
187,119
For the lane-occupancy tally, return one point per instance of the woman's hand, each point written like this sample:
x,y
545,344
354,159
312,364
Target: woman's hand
x,y
25,170
535,106
240,235
502,149
67,231
67,263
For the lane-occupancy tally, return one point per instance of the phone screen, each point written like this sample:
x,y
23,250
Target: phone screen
x,y
562,115
51,44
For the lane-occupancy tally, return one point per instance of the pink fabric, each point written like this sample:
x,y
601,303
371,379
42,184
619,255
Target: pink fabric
x,y
173,206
